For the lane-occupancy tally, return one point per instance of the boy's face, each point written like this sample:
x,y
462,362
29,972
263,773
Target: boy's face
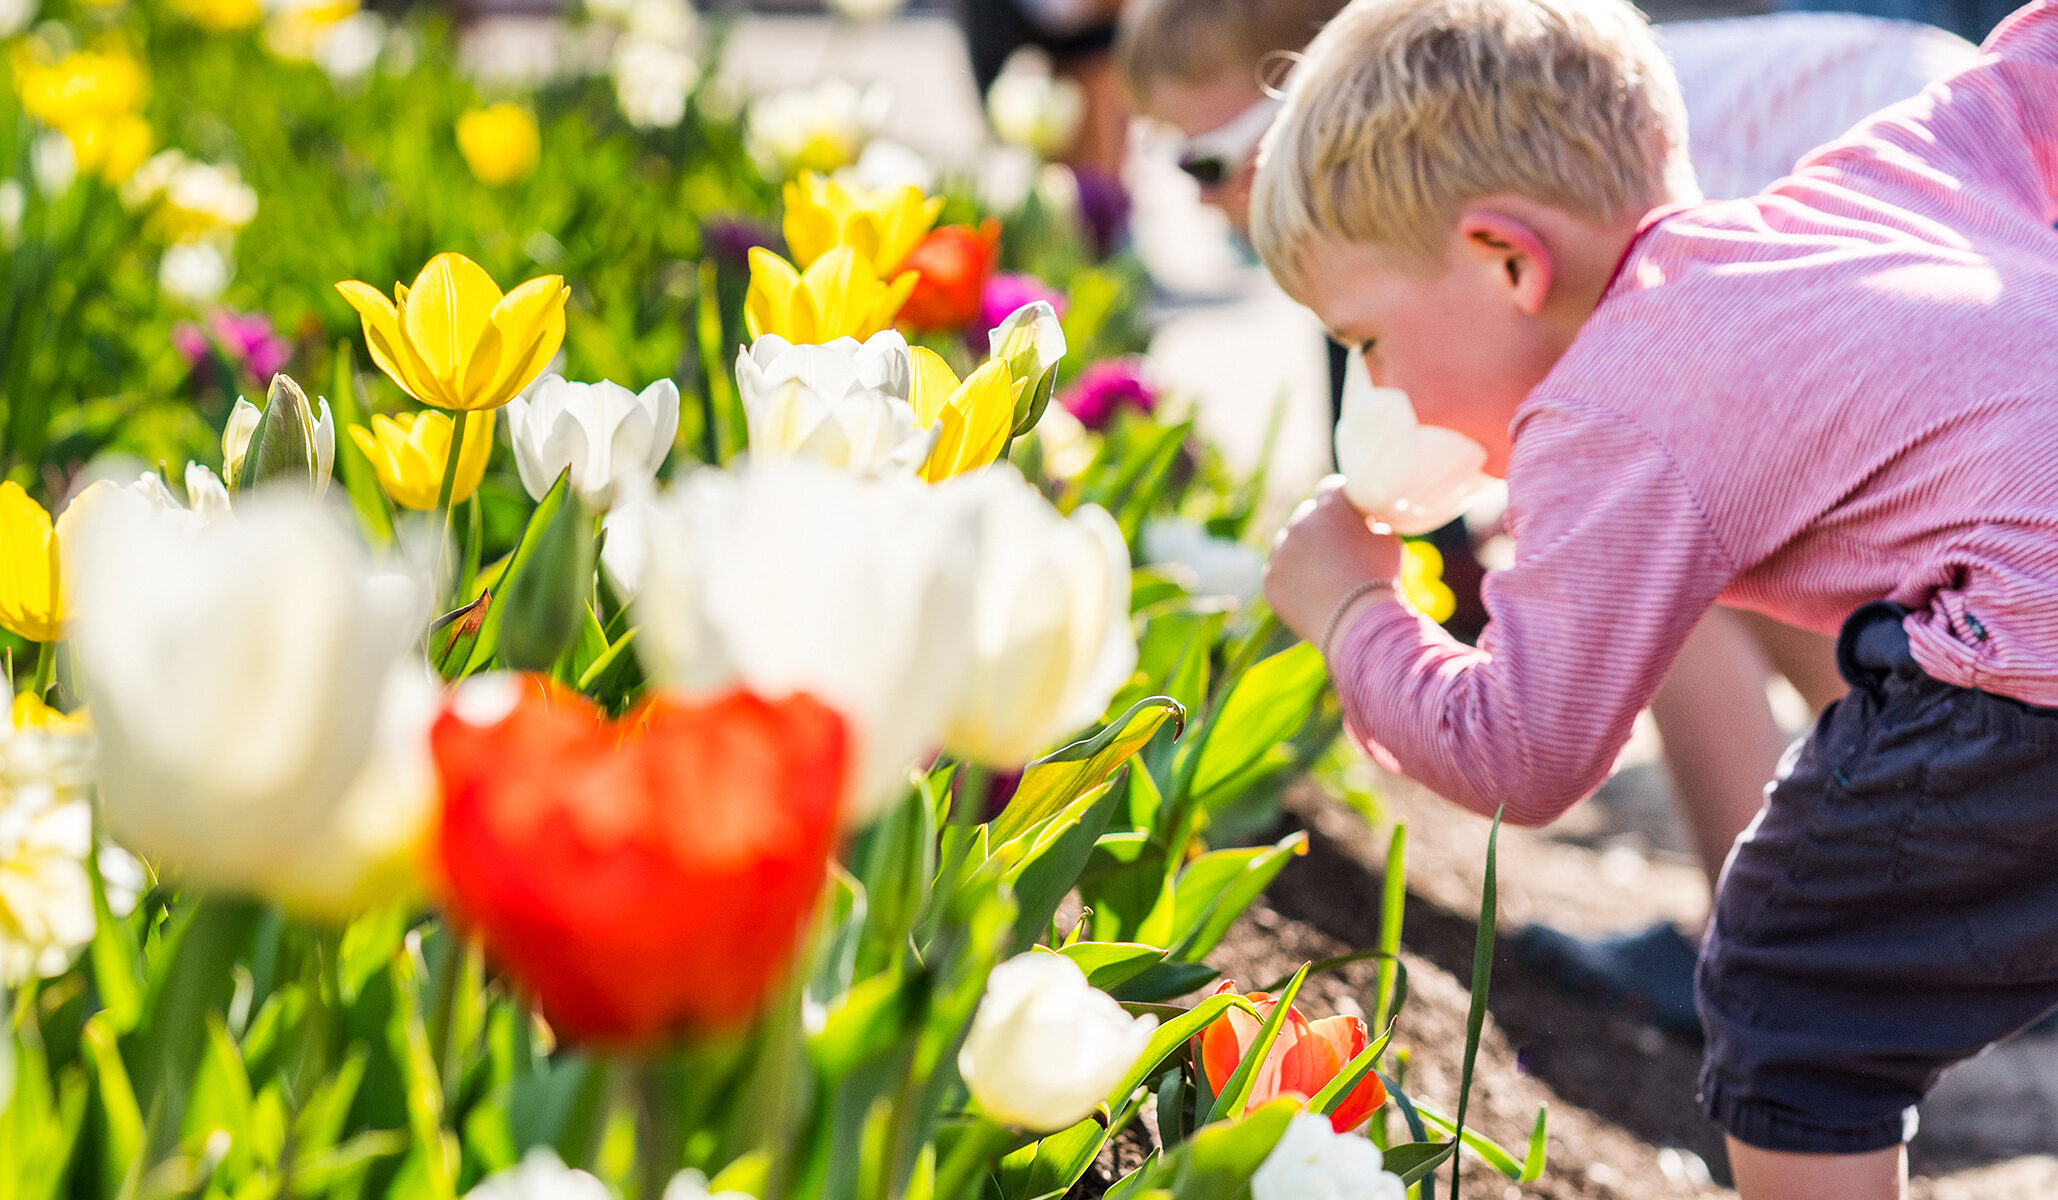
x,y
1200,108
1450,336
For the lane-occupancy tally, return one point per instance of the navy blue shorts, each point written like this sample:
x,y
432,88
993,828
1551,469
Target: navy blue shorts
x,y
1893,911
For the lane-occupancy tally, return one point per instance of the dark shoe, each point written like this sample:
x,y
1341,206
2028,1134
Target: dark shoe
x,y
1649,974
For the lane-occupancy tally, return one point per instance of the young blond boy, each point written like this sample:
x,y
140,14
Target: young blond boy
x,y
1833,403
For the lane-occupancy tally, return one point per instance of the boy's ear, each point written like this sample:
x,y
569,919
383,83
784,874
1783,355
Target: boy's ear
x,y
1514,248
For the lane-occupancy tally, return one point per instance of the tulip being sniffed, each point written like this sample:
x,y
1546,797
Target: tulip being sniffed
x,y
238,674
972,416
843,404
409,451
1306,1056
1314,1162
1410,477
881,226
1051,638
453,341
792,577
610,437
1046,1047
839,296
641,878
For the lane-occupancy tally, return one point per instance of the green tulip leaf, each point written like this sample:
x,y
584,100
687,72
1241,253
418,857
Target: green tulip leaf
x,y
1109,964
1051,783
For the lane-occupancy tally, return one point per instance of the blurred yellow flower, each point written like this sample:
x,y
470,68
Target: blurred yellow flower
x,y
453,340
220,16
1422,580
408,452
113,148
85,87
500,144
839,296
882,226
298,28
975,414
32,599
29,712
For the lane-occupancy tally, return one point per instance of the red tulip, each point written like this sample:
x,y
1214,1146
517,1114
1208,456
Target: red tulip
x,y
954,263
641,877
1306,1056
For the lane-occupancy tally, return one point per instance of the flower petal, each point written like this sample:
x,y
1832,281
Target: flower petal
x,y
447,309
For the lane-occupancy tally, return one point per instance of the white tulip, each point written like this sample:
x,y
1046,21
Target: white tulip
x,y
1314,1162
609,436
692,1185
822,129
1410,477
15,16
194,274
1036,111
652,82
207,500
841,404
1031,341
54,163
1046,1047
319,443
237,673
351,48
46,834
540,1176
1051,638
1203,563
205,197
624,547
790,577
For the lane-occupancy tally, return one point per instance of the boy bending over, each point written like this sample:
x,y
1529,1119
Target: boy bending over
x,y
1835,403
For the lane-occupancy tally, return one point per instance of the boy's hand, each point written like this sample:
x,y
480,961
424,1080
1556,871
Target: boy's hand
x,y
1326,550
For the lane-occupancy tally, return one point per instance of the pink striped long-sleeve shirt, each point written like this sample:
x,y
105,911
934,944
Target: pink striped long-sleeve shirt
x,y
1841,390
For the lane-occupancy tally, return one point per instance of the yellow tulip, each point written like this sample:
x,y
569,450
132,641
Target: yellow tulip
x,y
975,414
408,452
839,296
30,712
113,148
500,144
1422,580
32,599
84,88
453,341
882,226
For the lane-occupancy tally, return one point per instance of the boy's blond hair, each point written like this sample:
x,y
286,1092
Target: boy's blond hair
x,y
1403,111
1194,41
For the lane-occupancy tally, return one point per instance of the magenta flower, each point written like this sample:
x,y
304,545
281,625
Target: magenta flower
x,y
1002,296
248,338
1106,388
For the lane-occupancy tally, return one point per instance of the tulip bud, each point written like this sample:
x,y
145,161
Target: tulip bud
x,y
1046,1047
452,635
546,600
286,441
1313,1159
1030,341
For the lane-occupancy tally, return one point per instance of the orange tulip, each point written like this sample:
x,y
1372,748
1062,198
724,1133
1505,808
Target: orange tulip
x,y
1306,1056
953,263
643,877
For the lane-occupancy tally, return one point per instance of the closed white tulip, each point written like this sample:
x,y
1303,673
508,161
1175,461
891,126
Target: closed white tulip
x,y
1314,1162
792,577
842,404
236,673
1046,1047
1051,638
609,436
1410,477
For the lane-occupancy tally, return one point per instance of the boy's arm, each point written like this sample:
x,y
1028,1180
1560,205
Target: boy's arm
x,y
1615,564
1992,128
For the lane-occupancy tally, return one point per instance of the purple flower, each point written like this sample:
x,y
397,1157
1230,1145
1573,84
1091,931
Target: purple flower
x,y
191,342
731,238
1103,208
1003,295
1106,388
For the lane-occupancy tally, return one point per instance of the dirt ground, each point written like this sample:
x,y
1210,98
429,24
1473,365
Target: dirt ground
x,y
1623,1121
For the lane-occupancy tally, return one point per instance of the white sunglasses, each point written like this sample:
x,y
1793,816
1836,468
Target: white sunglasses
x,y
1213,157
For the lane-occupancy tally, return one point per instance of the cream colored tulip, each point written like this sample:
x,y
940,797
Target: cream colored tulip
x,y
237,678
1410,477
842,404
1051,638
1046,1047
792,577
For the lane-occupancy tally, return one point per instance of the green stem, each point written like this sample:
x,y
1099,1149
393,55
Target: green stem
x,y
449,484
967,1159
46,669
657,1128
462,963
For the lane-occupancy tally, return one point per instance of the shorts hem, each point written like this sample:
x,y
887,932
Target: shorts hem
x,y
1768,1125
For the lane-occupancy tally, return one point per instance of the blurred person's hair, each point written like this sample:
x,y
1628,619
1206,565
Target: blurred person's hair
x,y
1404,111
1195,41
